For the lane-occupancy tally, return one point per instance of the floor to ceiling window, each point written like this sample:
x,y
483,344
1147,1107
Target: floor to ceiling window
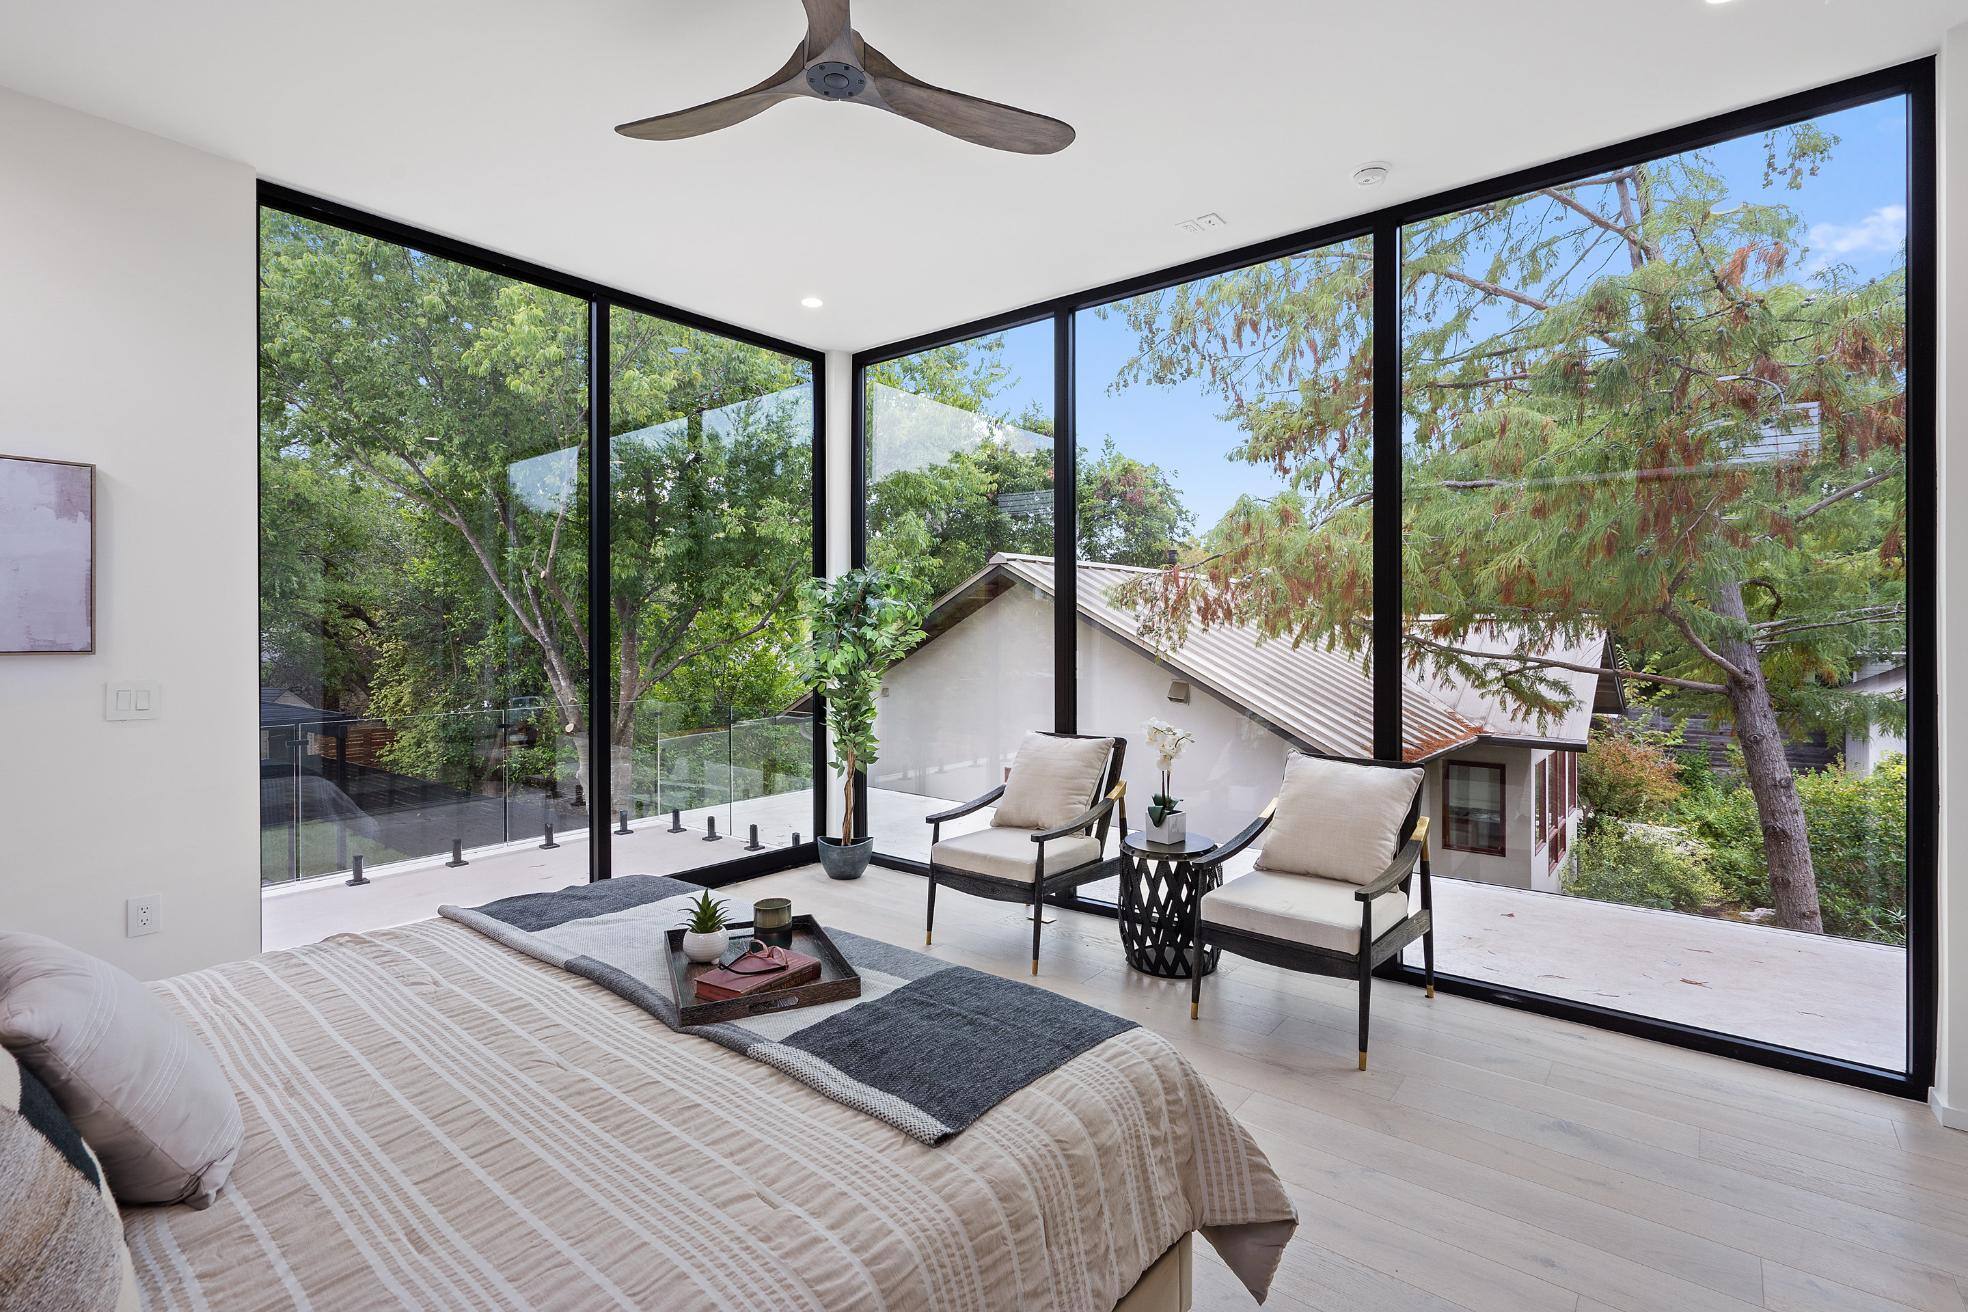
x,y
1655,540
430,668
711,533
1225,546
423,515
1657,495
958,462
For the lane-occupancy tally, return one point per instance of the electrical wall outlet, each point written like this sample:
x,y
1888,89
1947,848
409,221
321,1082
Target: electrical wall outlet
x,y
142,915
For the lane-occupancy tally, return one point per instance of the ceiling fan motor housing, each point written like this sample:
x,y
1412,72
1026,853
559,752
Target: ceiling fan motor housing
x,y
833,80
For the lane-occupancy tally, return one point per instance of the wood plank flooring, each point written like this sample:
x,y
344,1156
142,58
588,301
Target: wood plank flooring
x,y
1496,1161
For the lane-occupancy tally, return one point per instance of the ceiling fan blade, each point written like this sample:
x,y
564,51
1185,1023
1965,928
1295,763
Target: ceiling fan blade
x,y
984,122
712,115
826,22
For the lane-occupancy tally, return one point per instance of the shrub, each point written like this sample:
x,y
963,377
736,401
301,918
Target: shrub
x,y
1643,865
1628,775
1857,828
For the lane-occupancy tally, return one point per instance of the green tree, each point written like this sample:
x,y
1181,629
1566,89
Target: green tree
x,y
452,403
1627,407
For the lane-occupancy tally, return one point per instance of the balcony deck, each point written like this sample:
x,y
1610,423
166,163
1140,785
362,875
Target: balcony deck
x,y
1825,995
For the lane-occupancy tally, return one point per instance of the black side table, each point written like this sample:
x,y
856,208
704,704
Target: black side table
x,y
1159,892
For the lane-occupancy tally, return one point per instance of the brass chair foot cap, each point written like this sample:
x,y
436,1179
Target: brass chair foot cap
x,y
1192,1010
1363,1061
927,941
1035,965
1431,990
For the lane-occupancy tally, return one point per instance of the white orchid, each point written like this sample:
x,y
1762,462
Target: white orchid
x,y
1168,741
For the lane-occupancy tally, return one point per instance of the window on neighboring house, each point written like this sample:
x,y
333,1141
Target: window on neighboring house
x,y
1540,789
1472,807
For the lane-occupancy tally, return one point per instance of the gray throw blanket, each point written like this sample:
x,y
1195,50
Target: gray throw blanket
x,y
928,1047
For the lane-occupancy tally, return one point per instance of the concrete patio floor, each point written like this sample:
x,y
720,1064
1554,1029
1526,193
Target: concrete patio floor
x,y
1831,996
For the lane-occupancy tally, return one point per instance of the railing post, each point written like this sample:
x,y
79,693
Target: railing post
x,y
356,878
457,855
549,842
622,821
755,845
711,834
676,821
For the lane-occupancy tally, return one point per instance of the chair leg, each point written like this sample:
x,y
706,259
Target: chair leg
x,y
929,916
1366,994
1195,979
1428,957
1038,923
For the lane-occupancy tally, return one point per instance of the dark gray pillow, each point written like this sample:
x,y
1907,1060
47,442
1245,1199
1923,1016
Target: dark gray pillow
x,y
64,1240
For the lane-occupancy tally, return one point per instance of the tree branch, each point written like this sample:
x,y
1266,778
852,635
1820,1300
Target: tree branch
x,y
1552,662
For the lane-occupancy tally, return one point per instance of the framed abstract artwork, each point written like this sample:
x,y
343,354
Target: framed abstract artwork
x,y
47,555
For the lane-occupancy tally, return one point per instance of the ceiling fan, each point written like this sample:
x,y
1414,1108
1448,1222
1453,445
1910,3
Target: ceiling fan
x,y
834,63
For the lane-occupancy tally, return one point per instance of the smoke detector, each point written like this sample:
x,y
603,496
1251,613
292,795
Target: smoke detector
x,y
1369,175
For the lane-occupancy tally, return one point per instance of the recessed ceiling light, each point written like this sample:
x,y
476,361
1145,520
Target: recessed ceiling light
x,y
1718,2
812,302
1369,175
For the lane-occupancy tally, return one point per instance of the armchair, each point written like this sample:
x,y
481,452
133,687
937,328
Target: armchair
x,y
1049,833
1330,893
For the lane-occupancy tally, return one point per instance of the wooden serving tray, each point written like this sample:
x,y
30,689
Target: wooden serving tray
x,y
838,980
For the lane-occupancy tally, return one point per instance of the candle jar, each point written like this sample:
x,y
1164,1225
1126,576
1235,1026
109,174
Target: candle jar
x,y
772,921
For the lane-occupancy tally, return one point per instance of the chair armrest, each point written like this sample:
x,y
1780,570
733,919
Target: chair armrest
x,y
1390,878
965,808
1222,852
1085,820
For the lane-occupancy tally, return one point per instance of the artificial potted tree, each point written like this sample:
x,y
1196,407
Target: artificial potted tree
x,y
862,622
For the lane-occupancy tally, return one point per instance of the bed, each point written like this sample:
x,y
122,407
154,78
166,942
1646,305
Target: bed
x,y
434,1120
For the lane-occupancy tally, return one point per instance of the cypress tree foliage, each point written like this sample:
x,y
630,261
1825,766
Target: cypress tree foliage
x,y
1631,405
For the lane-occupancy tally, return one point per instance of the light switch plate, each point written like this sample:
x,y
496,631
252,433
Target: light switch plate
x,y
142,915
141,700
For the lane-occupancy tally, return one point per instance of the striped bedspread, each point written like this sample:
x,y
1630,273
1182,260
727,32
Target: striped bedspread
x,y
436,1121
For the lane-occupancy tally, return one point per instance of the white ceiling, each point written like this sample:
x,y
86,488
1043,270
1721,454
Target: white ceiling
x,y
489,120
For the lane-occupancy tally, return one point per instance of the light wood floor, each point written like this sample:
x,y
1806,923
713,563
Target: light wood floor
x,y
1497,1161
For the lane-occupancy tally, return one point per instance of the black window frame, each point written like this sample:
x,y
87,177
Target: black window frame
x,y
600,299
1915,81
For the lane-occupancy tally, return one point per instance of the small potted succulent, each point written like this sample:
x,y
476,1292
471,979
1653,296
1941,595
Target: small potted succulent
x,y
862,623
1166,822
704,934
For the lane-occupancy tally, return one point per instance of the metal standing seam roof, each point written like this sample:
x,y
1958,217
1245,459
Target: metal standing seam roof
x,y
1320,697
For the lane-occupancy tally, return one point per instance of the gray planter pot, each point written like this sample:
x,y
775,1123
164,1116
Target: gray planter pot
x,y
845,861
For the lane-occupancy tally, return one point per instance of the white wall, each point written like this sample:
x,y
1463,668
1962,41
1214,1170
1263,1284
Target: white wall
x,y
1950,1095
127,340
953,712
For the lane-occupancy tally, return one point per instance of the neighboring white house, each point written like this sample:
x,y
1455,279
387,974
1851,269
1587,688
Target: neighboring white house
x,y
1866,748
1502,789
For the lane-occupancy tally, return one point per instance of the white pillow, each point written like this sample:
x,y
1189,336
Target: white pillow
x,y
147,1097
1052,780
1338,820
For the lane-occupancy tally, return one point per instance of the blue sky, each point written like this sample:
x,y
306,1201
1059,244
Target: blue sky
x,y
1853,209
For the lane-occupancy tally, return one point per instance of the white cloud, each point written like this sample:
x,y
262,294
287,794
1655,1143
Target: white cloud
x,y
1878,233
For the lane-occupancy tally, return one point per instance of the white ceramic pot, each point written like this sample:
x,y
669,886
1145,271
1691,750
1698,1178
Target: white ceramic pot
x,y
705,947
1173,828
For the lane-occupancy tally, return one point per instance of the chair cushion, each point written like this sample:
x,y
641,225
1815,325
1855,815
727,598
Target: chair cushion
x,y
1338,820
1052,780
1319,913
147,1096
65,1245
1011,854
